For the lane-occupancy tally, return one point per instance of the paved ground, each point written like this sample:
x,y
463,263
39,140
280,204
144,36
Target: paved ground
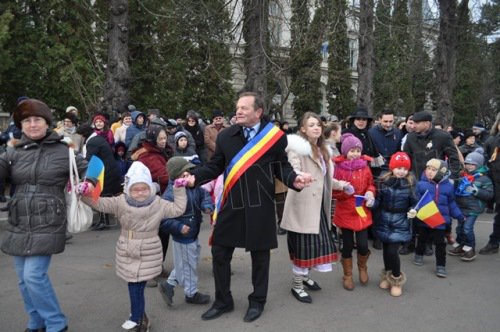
x,y
94,299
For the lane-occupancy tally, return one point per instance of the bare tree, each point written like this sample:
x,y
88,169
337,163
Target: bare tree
x,y
255,32
366,63
116,89
446,59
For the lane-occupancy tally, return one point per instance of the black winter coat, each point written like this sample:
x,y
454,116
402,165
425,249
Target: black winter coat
x,y
434,144
247,219
395,197
37,210
98,146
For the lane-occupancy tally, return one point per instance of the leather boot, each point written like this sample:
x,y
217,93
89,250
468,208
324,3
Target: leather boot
x,y
397,284
363,269
347,279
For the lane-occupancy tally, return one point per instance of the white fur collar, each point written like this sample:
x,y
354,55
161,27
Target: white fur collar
x,y
301,146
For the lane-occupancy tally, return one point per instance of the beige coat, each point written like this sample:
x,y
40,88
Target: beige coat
x,y
210,135
302,209
139,253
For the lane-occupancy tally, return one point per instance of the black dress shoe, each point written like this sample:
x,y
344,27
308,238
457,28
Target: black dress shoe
x,y
311,284
214,312
252,314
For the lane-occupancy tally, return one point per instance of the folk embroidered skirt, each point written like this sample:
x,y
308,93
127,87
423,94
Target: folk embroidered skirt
x,y
310,250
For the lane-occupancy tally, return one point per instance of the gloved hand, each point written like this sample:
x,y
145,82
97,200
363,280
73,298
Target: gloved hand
x,y
370,201
349,189
181,182
85,188
472,189
411,214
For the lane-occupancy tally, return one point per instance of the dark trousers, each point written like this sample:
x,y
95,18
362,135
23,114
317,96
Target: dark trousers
x,y
391,258
164,238
436,236
495,236
222,257
348,242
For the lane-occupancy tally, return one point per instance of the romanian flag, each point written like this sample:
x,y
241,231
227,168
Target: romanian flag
x,y
95,171
428,212
359,205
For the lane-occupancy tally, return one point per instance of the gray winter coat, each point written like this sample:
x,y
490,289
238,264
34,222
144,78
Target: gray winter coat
x,y
37,211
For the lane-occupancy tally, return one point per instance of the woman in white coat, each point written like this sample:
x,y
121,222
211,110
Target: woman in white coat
x,y
307,215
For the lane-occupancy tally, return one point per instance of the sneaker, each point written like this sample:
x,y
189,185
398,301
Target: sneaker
x,y
167,292
428,250
441,271
469,256
457,251
418,260
489,249
129,325
198,298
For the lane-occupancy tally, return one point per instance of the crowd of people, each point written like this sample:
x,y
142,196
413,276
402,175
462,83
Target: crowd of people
x,y
329,186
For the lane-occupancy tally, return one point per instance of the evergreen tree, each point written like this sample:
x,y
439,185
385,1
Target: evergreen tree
x,y
339,87
305,58
6,60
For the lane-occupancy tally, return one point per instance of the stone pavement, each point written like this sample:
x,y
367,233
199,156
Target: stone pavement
x,y
95,299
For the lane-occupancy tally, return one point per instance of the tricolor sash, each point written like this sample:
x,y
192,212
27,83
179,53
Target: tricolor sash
x,y
247,156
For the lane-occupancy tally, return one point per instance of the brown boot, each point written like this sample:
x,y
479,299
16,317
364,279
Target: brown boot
x,y
347,265
363,269
397,284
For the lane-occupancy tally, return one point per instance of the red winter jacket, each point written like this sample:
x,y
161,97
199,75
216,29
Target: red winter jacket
x,y
155,160
358,174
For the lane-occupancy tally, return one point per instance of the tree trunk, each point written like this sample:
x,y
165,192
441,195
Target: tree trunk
x,y
366,56
255,29
446,60
116,89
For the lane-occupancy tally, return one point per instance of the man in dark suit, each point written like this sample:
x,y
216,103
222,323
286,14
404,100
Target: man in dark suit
x,y
247,218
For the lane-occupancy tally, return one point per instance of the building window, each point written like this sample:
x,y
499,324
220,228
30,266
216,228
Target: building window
x,y
353,54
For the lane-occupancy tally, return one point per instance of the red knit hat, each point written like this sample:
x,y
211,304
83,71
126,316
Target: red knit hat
x,y
99,117
400,159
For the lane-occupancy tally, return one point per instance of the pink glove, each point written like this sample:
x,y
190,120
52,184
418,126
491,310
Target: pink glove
x,y
84,188
181,182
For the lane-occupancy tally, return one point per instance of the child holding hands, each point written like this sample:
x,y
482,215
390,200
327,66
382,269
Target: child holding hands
x,y
354,168
184,230
138,250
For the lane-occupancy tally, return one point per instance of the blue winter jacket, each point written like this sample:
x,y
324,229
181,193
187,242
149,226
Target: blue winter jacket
x,y
443,194
198,200
134,129
394,198
474,204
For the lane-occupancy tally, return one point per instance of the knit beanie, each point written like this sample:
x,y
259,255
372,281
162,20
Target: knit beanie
x,y
468,133
178,165
178,136
441,166
400,159
138,173
99,117
474,158
348,142
32,107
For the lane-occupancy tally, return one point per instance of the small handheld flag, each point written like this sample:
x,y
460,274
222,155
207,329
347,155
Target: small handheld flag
x,y
95,170
428,212
359,205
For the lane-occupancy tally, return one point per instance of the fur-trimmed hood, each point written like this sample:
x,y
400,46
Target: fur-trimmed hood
x,y
301,146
